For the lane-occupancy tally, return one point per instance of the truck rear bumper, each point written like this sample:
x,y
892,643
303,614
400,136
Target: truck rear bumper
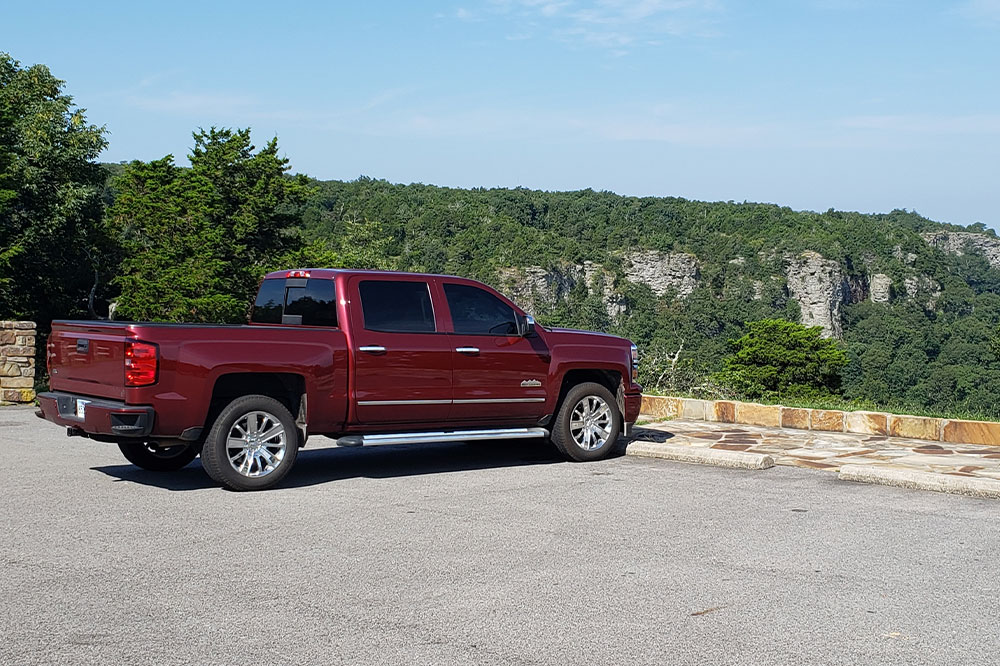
x,y
107,418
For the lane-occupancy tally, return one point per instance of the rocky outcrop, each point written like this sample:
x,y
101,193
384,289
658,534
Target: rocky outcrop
x,y
880,288
600,280
856,289
921,287
663,272
818,285
535,288
962,242
906,257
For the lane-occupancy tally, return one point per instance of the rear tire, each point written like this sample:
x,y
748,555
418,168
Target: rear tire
x,y
587,424
158,458
252,444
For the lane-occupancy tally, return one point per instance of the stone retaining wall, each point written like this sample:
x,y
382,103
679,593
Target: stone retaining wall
x,y
17,361
954,431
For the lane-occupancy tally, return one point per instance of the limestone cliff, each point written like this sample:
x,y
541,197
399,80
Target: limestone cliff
x,y
962,242
663,272
819,287
536,288
880,288
923,288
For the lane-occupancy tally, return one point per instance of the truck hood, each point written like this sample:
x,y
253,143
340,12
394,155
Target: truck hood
x,y
574,336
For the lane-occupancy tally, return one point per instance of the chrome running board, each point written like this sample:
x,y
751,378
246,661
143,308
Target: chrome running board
x,y
437,437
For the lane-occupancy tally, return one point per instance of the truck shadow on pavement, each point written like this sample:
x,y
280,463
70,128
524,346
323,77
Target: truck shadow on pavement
x,y
320,465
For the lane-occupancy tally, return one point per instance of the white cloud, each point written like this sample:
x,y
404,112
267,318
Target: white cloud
x,y
611,24
982,11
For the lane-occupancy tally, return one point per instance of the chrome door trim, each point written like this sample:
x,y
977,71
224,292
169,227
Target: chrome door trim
x,y
372,403
487,400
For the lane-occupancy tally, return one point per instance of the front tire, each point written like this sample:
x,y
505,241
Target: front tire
x,y
252,444
587,424
158,458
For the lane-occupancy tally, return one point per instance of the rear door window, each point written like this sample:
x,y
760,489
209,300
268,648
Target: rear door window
x,y
316,303
395,306
475,311
314,300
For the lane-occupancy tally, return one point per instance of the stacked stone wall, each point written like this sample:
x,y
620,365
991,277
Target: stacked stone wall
x,y
955,431
17,361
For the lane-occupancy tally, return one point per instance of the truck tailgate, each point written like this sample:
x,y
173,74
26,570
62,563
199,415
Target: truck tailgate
x,y
88,358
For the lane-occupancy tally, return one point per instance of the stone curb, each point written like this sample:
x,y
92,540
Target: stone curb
x,y
699,455
952,431
917,480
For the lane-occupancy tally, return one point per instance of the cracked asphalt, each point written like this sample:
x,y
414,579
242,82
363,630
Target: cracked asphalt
x,y
490,553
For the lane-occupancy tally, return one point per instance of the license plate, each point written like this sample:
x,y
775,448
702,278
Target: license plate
x,y
81,408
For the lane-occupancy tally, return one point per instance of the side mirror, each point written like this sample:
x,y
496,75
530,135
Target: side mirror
x,y
526,325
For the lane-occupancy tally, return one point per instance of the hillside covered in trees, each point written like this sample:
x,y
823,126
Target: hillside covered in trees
x,y
916,303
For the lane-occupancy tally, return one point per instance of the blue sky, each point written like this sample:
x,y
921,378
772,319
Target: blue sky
x,y
813,104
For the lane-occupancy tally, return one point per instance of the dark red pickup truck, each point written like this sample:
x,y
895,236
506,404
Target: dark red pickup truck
x,y
365,357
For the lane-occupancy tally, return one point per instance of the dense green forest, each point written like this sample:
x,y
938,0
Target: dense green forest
x,y
901,353
910,319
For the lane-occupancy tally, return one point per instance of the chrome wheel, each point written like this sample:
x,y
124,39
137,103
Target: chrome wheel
x,y
256,444
591,422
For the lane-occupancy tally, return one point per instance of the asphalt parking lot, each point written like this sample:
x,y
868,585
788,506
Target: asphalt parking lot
x,y
491,553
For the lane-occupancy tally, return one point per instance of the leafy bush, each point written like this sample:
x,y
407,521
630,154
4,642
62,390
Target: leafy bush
x,y
781,358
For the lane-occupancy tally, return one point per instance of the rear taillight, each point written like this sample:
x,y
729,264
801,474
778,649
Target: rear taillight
x,y
141,363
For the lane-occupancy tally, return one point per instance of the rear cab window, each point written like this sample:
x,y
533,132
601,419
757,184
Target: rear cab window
x,y
308,302
396,306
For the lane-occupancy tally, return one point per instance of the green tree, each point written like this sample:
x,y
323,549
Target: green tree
x,y
50,196
778,358
197,241
358,245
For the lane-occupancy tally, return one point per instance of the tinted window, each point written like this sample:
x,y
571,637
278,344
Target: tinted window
x,y
397,307
316,302
270,299
478,312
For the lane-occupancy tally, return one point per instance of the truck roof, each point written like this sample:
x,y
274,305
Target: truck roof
x,y
330,273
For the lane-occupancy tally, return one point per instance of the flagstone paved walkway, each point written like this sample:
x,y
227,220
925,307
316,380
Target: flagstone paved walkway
x,y
828,451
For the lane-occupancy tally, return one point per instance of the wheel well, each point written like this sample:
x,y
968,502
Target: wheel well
x,y
609,379
286,388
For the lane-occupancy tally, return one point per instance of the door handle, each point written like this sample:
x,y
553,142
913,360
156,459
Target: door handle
x,y
467,350
372,349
